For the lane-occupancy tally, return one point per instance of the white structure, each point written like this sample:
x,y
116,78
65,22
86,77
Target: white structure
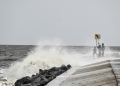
x,y
104,73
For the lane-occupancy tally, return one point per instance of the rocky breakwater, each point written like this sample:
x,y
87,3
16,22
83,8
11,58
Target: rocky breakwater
x,y
43,77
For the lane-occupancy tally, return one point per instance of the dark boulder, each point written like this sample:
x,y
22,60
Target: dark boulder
x,y
68,66
40,70
43,77
24,80
36,81
63,67
53,69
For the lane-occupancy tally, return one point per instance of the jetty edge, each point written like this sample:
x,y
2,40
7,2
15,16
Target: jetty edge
x,y
105,73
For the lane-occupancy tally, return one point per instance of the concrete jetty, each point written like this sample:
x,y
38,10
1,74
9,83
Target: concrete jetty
x,y
104,73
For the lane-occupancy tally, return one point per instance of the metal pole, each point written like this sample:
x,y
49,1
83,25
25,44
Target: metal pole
x,y
96,46
96,42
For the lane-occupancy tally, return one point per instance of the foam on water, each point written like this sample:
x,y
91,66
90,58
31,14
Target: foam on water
x,y
41,58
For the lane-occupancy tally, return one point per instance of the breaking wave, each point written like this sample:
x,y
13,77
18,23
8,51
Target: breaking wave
x,y
45,58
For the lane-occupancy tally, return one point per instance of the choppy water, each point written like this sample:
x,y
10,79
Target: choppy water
x,y
17,61
12,53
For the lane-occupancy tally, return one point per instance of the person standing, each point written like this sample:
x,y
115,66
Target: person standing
x,y
103,48
99,51
94,51
98,45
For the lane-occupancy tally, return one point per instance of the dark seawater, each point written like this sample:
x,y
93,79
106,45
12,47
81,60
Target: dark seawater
x,y
12,53
26,60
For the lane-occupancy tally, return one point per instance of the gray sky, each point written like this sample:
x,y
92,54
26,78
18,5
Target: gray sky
x,y
74,22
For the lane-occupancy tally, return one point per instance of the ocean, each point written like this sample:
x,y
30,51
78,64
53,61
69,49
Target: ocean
x,y
17,61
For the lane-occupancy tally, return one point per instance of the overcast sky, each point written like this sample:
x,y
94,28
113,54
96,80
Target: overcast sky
x,y
74,22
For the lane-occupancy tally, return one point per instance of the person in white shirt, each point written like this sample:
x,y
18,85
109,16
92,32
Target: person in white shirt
x,y
103,48
94,51
99,51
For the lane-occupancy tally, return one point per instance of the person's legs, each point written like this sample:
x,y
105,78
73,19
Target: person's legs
x,y
102,53
98,54
93,54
